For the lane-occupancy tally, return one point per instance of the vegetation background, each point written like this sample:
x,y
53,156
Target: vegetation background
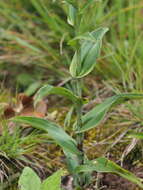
x,y
34,50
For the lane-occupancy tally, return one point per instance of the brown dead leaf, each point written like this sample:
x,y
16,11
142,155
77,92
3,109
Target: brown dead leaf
x,y
22,102
24,107
31,112
8,112
41,107
25,100
28,107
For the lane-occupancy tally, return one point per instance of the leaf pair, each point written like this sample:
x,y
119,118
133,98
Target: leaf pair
x,y
106,166
84,60
30,181
90,120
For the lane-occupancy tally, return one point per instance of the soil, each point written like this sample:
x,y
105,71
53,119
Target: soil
x,y
109,181
114,182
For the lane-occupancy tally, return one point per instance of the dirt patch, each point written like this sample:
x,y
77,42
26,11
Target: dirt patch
x,y
114,182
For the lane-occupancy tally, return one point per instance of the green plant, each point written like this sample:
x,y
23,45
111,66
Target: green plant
x,y
30,181
87,49
15,145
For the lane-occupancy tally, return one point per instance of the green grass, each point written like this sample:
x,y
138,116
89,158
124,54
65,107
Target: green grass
x,y
15,145
124,51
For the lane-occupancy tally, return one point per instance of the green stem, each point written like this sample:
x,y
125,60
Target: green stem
x,y
79,136
78,91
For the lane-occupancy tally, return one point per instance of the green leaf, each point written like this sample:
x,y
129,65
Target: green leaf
x,y
71,161
55,132
71,15
74,65
26,44
86,5
53,182
89,60
97,114
106,166
72,2
68,117
136,135
84,63
32,88
48,89
29,180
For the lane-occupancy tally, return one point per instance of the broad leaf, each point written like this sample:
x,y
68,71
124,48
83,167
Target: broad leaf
x,y
53,182
54,131
107,166
48,89
29,180
97,114
84,63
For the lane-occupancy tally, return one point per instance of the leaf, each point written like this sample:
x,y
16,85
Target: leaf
x,y
53,182
97,114
29,180
55,132
68,117
72,161
106,166
72,2
32,88
71,15
84,63
136,135
48,89
86,5
26,44
74,65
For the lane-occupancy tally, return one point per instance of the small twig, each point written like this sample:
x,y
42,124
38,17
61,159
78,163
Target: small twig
x,y
97,185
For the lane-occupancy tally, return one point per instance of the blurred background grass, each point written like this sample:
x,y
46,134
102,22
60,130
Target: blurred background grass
x,y
34,38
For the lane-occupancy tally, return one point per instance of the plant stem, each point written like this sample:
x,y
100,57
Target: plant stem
x,y
79,136
80,180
